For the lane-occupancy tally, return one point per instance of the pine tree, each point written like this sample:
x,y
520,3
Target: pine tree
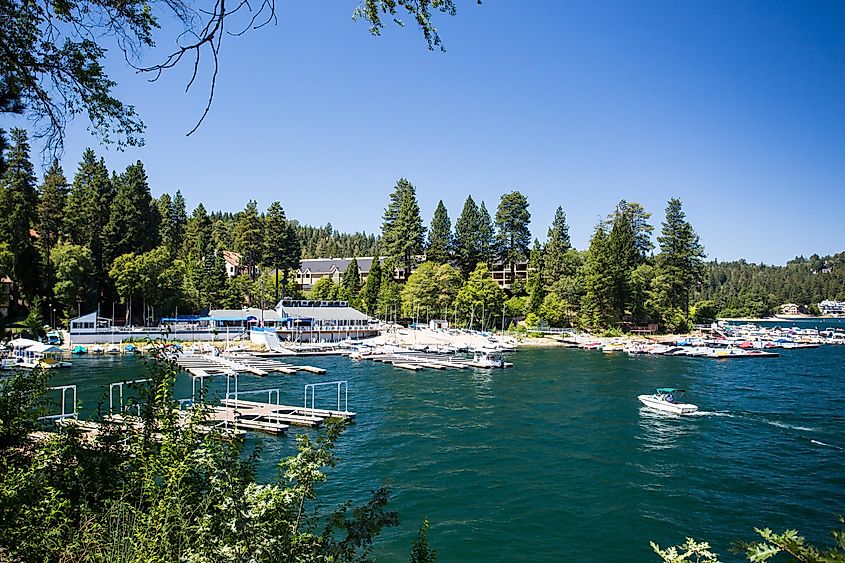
x,y
178,222
628,242
403,234
486,236
512,236
165,228
51,210
554,253
467,236
87,213
597,305
389,298
281,245
19,201
536,271
370,292
680,262
439,247
351,280
249,238
133,220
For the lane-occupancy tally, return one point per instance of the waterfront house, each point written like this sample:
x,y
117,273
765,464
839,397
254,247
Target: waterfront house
x,y
830,307
790,309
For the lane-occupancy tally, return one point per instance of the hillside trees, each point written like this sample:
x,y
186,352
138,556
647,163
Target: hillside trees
x,y
51,207
87,213
133,224
19,200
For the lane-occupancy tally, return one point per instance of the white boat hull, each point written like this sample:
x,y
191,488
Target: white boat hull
x,y
675,408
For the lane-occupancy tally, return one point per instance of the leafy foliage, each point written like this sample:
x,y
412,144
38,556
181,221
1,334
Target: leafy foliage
x,y
169,488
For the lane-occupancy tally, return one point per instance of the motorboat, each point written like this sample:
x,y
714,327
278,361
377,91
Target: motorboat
x,y
484,361
668,399
79,350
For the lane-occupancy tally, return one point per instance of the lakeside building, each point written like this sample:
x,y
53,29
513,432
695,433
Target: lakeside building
x,y
790,309
312,270
830,307
290,321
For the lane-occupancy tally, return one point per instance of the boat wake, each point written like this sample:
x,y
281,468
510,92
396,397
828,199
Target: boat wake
x,y
788,426
712,413
818,443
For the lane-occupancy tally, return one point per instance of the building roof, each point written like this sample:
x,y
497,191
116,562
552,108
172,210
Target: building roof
x,y
232,258
326,265
323,313
249,314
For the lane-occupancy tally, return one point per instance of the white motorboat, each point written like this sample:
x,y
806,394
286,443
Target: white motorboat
x,y
486,361
668,399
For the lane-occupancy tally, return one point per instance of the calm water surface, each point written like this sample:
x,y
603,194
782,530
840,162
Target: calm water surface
x,y
555,460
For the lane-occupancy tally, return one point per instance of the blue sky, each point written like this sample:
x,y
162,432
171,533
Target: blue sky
x,y
737,108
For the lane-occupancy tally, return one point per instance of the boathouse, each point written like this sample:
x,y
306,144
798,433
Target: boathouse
x,y
322,321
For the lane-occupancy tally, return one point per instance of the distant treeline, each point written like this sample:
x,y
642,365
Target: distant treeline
x,y
102,242
740,289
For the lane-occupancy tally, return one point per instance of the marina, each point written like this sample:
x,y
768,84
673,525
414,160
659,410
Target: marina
x,y
583,436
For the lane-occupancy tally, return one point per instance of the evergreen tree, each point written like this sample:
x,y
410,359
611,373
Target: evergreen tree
x,y
165,228
202,257
439,247
513,236
628,242
51,210
597,305
19,201
133,219
351,280
87,213
403,234
467,243
486,236
370,291
680,262
178,222
281,246
198,234
389,299
536,272
249,238
554,253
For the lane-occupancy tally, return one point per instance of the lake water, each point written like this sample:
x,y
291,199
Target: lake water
x,y
555,460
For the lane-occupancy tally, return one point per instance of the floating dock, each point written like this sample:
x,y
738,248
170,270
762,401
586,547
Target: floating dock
x,y
210,364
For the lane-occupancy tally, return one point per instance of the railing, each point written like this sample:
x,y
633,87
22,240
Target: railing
x,y
313,387
64,414
119,386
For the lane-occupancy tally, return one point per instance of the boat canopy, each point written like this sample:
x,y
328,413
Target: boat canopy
x,y
670,390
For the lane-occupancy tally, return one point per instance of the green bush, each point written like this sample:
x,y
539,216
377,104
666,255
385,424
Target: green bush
x,y
172,490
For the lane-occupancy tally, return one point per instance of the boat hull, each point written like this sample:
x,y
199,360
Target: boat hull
x,y
658,404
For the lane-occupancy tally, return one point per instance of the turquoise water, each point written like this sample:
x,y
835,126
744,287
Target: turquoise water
x,y
555,460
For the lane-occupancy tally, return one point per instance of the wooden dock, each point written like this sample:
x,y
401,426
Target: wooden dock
x,y
229,364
